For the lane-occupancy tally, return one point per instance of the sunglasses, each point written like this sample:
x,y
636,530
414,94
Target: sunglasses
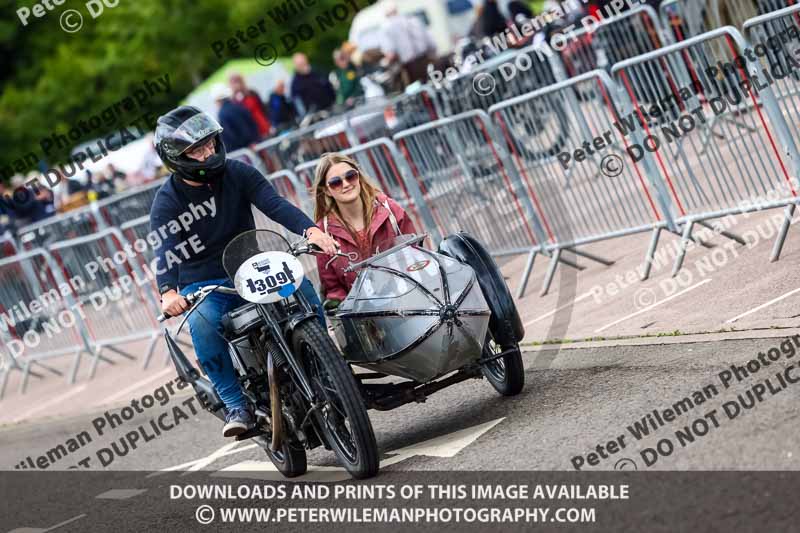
x,y
336,182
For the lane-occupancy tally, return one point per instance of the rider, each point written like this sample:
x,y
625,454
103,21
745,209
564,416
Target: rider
x,y
189,143
358,215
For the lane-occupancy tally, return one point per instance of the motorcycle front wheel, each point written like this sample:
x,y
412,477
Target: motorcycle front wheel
x,y
507,373
343,417
289,460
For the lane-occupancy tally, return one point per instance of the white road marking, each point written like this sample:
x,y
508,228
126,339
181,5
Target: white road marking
x,y
192,463
649,307
120,494
207,460
762,306
134,387
50,402
445,446
51,528
557,309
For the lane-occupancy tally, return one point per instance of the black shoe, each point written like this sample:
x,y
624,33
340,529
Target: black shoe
x,y
237,422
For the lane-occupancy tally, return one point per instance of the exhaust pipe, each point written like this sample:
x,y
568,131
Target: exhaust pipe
x,y
187,372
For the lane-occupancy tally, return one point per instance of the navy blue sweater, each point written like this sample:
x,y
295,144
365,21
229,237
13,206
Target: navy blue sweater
x,y
241,186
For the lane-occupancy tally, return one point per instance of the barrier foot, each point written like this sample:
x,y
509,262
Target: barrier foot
x,y
98,358
23,385
593,257
570,262
4,384
687,234
724,233
551,271
74,372
787,221
48,368
123,353
651,253
150,350
526,274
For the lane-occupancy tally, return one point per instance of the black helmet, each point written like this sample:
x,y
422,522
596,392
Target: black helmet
x,y
182,129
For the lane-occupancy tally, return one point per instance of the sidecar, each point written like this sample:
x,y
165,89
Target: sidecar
x,y
420,315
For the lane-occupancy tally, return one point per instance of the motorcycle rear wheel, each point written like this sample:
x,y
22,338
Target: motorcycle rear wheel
x,y
344,419
289,460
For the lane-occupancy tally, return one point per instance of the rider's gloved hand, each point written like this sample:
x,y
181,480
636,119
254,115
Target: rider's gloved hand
x,y
173,303
323,240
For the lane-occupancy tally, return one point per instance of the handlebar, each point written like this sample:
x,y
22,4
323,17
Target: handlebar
x,y
194,297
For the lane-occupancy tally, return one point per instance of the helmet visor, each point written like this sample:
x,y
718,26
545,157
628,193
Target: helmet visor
x,y
193,131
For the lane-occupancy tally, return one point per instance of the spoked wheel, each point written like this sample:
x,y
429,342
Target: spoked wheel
x,y
290,460
343,417
506,374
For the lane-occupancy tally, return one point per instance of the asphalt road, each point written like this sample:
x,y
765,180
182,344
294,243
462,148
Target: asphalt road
x,y
585,398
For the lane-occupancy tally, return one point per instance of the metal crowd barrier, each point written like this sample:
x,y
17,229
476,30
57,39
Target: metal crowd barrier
x,y
83,221
577,203
690,18
469,182
305,144
123,305
246,155
720,147
39,317
511,73
132,203
8,245
621,37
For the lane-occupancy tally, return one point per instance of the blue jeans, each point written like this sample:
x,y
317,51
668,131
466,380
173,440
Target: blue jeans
x,y
212,349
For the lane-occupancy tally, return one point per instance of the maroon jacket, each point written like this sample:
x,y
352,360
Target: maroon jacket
x,y
335,283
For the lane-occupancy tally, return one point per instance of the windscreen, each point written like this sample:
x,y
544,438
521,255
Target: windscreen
x,y
248,244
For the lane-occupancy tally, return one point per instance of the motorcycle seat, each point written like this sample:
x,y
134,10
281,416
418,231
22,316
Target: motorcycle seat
x,y
239,321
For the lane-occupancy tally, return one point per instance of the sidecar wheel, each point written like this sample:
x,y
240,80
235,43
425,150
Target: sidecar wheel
x,y
344,419
507,374
289,460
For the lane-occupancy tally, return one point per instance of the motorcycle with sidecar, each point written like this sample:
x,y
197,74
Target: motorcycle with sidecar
x,y
430,319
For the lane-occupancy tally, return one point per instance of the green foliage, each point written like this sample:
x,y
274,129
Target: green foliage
x,y
51,79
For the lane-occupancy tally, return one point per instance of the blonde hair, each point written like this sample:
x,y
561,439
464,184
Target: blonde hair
x,y
324,204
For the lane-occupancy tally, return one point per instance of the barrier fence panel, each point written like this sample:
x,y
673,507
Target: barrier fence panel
x,y
304,144
712,126
381,161
611,40
116,294
129,204
690,18
246,155
509,74
40,316
581,189
8,245
77,223
470,184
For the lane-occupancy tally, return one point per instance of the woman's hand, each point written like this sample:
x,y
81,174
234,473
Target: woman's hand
x,y
323,240
173,304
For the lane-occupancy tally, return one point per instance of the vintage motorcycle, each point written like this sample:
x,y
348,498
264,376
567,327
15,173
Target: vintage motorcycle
x,y
434,319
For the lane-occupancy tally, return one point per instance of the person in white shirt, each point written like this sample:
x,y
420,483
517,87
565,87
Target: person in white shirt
x,y
406,40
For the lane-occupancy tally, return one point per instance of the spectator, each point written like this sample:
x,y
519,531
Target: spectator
x,y
348,82
250,99
282,113
28,204
405,40
239,130
101,187
310,89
